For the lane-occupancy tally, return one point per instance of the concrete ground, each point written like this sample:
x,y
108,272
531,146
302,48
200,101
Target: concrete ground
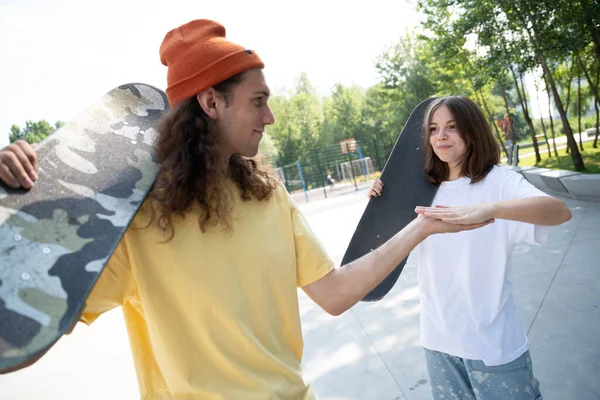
x,y
372,352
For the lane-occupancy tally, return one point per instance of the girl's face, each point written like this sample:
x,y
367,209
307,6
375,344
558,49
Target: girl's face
x,y
445,139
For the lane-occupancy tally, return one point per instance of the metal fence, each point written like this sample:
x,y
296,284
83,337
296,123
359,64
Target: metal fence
x,y
337,167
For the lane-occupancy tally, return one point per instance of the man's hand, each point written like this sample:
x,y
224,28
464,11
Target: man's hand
x,y
18,165
433,226
477,214
343,287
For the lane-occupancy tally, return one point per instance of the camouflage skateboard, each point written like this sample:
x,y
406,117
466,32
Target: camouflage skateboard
x,y
94,173
405,188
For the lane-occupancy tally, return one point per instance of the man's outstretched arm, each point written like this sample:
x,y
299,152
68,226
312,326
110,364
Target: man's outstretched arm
x,y
343,287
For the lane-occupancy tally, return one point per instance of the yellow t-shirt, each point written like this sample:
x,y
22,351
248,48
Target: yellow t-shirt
x,y
215,315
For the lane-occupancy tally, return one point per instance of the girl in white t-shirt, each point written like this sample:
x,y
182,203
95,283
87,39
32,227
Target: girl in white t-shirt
x,y
474,341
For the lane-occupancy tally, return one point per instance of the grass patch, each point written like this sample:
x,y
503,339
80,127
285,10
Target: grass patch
x,y
590,155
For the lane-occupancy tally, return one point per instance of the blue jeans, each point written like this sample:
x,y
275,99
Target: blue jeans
x,y
457,378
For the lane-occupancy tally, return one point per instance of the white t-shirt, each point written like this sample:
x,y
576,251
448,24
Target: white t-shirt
x,y
467,305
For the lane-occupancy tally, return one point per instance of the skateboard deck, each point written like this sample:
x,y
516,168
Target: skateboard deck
x,y
405,187
55,239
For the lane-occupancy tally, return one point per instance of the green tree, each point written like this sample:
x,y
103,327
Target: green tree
x,y
380,131
537,20
342,113
298,122
511,38
404,72
268,149
405,81
34,132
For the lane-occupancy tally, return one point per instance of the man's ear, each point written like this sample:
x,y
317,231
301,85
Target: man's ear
x,y
208,101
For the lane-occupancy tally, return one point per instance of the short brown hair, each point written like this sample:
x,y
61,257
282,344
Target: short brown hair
x,y
482,151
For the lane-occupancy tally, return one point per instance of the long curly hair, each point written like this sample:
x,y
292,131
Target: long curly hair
x,y
190,174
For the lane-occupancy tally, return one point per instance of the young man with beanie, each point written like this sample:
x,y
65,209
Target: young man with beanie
x,y
208,276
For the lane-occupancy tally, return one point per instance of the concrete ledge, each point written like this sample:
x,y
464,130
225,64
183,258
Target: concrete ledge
x,y
591,132
582,185
552,179
566,183
533,176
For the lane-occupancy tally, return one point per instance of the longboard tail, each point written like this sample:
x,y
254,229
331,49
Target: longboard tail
x,y
405,188
55,239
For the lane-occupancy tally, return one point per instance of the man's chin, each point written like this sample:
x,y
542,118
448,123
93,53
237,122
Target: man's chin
x,y
250,153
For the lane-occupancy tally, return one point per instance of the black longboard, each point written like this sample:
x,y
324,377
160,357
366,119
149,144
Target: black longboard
x,y
405,187
55,239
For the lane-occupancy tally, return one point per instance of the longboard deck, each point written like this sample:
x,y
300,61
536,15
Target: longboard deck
x,y
405,187
55,239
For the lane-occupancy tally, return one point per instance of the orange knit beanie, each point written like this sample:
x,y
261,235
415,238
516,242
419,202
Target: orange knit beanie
x,y
198,56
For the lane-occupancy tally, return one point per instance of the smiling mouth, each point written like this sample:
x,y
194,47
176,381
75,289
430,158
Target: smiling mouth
x,y
443,147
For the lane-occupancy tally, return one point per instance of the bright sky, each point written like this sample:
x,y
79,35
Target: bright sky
x,y
58,56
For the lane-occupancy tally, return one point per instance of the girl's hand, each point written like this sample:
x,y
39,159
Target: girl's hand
x,y
376,188
476,214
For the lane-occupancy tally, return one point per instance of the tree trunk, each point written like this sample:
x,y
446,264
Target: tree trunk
x,y
569,80
568,103
550,114
571,143
597,104
491,117
537,95
589,79
523,101
511,131
579,107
